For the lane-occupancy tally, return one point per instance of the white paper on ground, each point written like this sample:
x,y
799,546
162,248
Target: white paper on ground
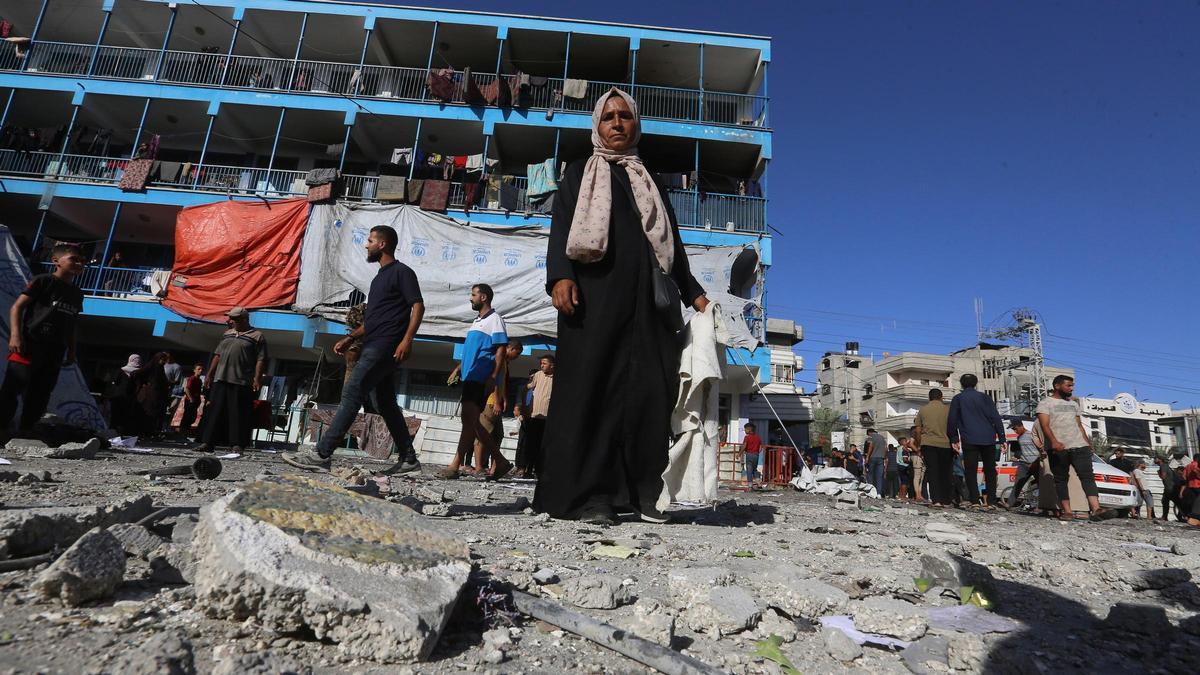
x,y
229,455
124,442
4,461
140,451
846,625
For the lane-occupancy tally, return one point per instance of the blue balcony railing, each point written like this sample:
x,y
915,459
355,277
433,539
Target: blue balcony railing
x,y
708,211
369,81
117,282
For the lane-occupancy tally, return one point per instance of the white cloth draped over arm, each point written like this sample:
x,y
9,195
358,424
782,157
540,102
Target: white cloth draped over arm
x,y
691,474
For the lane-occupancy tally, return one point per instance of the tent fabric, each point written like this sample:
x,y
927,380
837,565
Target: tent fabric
x,y
71,399
691,473
449,256
236,254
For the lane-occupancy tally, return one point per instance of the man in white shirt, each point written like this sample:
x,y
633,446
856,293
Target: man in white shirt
x,y
1062,431
1139,481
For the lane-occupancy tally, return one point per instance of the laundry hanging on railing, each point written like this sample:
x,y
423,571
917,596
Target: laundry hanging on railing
x,y
472,94
135,176
474,164
441,84
401,155
391,189
236,254
575,88
436,195
541,178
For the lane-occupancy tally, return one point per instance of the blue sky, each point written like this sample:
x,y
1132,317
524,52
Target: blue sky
x,y
1030,153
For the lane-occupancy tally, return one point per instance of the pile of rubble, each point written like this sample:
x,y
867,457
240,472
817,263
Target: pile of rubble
x,y
282,573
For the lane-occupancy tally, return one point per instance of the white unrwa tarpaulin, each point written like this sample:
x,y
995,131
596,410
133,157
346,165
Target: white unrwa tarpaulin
x,y
449,257
832,481
70,400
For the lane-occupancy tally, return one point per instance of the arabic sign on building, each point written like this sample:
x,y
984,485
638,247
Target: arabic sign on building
x,y
1124,405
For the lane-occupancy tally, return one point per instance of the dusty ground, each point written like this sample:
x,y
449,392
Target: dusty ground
x,y
1062,583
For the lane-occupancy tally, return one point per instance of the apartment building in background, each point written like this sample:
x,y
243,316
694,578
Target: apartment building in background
x,y
243,97
886,393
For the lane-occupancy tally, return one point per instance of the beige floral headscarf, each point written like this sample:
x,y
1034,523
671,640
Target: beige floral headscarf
x,y
588,239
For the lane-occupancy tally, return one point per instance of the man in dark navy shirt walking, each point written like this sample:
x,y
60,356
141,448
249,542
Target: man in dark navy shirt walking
x,y
393,316
975,423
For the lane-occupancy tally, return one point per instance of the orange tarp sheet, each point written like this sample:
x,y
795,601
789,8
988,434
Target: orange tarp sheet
x,y
236,254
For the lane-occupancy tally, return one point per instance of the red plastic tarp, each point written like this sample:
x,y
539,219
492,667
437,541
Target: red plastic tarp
x,y
236,254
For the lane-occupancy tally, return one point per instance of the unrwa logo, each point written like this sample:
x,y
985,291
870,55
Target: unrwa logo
x,y
419,248
512,258
449,252
481,255
708,276
360,235
539,261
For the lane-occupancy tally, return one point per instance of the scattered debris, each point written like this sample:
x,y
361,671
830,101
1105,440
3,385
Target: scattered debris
x,y
1158,579
889,616
37,530
724,610
598,591
612,551
136,540
91,569
944,533
545,576
846,625
840,646
970,618
167,653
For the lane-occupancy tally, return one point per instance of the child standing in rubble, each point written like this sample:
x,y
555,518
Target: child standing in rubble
x,y
41,337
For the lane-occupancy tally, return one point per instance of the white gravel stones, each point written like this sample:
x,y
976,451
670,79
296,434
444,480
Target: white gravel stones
x,y
91,569
299,555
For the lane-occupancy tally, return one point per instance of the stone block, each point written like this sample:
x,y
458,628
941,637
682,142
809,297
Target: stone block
x,y
137,541
725,610
32,531
297,555
90,570
597,591
889,616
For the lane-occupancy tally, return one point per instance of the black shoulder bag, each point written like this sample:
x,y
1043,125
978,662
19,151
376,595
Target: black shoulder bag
x,y
667,299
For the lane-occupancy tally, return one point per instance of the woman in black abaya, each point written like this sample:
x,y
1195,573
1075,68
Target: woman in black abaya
x,y
617,377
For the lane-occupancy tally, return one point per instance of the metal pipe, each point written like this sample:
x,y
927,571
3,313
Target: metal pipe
x,y
633,70
567,57
99,40
203,151
37,24
499,58
107,245
237,28
67,138
701,111
162,53
696,189
429,61
299,46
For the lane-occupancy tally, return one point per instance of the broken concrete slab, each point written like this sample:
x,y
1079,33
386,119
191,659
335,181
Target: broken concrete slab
x,y
954,571
298,555
840,646
793,590
31,447
172,564
28,532
945,533
1158,579
929,655
91,569
137,541
889,616
596,591
724,610
651,620
164,654
775,623
691,584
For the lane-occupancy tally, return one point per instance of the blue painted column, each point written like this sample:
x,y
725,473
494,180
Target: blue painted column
x,y
696,190
7,105
99,41
112,228
291,83
701,84
203,151
137,137
275,146
33,35
557,135
67,139
766,96
237,28
633,70
416,144
162,53
429,61
37,237
567,57
345,146
368,25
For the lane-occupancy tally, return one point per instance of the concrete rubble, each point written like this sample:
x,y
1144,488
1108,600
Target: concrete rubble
x,y
90,569
297,555
280,574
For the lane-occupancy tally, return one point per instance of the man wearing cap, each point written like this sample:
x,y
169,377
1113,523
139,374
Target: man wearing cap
x,y
234,378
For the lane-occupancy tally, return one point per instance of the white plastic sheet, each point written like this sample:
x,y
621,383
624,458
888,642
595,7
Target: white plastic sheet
x,y
449,257
71,399
832,481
